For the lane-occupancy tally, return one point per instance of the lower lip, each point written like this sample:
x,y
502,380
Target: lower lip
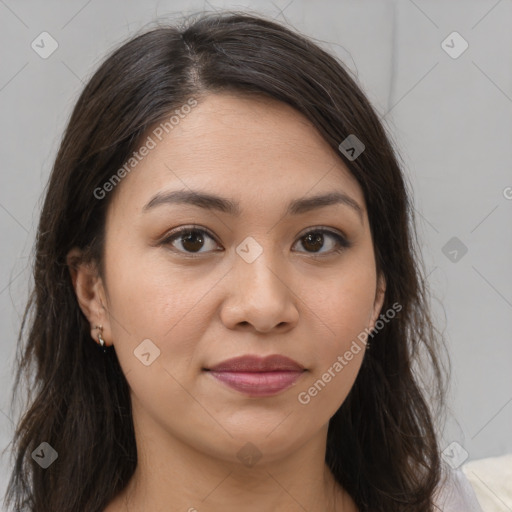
x,y
258,383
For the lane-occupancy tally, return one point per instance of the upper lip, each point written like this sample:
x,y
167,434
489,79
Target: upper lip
x,y
252,363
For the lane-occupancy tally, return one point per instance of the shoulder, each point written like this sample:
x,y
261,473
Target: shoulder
x,y
455,493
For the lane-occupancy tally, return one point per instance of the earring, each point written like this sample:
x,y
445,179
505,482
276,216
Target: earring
x,y
100,339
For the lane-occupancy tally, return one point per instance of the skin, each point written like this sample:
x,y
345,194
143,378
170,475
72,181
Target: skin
x,y
301,300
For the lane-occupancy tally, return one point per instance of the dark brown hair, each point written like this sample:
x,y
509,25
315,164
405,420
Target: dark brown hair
x,y
382,442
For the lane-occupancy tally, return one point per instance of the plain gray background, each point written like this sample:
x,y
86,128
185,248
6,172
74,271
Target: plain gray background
x,y
450,119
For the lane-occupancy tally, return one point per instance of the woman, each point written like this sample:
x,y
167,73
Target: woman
x,y
228,305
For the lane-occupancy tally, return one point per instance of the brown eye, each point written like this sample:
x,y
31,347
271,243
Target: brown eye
x,y
314,240
192,240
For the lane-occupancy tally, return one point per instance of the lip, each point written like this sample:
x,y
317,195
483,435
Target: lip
x,y
250,363
258,376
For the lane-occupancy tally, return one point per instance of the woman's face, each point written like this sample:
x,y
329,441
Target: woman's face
x,y
250,282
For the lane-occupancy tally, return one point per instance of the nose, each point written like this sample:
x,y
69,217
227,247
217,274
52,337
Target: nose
x,y
259,297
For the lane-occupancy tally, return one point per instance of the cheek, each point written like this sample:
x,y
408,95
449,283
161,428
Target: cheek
x,y
342,310
337,358
345,305
150,295
156,302
164,306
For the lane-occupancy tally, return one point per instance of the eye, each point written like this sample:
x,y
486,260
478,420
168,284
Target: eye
x,y
315,239
191,239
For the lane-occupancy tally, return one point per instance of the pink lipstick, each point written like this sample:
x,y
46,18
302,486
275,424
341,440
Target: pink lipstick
x,y
258,376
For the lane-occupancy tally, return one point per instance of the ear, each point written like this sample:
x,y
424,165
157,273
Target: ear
x,y
90,293
379,300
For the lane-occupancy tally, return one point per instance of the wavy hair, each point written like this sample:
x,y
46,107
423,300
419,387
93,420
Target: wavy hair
x,y
382,443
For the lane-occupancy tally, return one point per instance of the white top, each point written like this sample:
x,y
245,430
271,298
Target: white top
x,y
455,493
491,479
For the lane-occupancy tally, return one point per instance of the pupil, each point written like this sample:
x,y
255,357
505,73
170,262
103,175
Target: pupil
x,y
195,239
316,239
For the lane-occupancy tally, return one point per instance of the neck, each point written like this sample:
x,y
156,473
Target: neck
x,y
171,472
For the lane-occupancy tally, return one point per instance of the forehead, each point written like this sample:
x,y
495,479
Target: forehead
x,y
238,146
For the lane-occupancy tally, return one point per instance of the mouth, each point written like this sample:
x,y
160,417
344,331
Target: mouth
x,y
256,376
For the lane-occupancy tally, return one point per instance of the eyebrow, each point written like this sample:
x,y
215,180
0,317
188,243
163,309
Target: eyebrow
x,y
221,204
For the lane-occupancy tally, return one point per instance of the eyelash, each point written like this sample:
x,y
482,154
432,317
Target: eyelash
x,y
341,242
